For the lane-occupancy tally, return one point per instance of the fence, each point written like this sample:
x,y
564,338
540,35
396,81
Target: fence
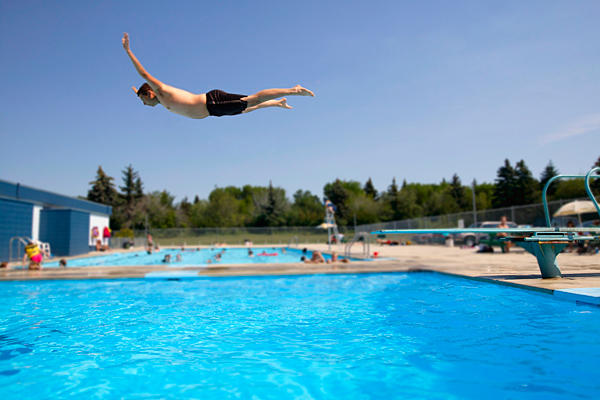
x,y
232,236
532,214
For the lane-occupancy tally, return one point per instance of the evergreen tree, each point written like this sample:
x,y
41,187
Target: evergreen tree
x,y
548,173
129,192
103,190
457,191
526,186
504,190
196,199
138,188
271,210
392,199
370,189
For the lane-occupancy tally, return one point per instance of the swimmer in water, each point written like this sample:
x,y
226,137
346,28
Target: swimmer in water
x,y
214,103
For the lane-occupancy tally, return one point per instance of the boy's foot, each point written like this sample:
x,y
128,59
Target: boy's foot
x,y
300,91
283,103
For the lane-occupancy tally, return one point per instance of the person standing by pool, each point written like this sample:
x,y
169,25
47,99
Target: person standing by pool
x,y
106,236
504,225
149,242
214,103
34,254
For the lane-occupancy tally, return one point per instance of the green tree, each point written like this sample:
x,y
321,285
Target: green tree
x,y
103,190
307,210
484,193
272,208
129,188
160,210
183,212
504,190
570,189
549,172
458,193
223,210
339,195
138,189
366,209
408,204
197,214
130,206
526,186
370,189
392,200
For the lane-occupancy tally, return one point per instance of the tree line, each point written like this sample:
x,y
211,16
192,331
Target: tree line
x,y
356,203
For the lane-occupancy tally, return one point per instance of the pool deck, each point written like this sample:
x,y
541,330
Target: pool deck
x,y
581,273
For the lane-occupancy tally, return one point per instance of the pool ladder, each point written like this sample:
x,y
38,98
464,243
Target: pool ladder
x,y
366,240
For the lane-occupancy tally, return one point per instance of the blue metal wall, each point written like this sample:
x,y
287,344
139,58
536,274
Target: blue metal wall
x,y
15,220
67,231
17,191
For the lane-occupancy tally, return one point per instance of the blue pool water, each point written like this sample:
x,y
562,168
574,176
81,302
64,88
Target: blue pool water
x,y
192,257
383,336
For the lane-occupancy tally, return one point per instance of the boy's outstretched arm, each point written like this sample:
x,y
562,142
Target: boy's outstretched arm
x,y
152,81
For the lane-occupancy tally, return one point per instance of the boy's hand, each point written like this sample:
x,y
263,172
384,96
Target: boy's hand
x,y
125,41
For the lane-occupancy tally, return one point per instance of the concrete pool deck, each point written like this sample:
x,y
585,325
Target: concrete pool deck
x,y
581,272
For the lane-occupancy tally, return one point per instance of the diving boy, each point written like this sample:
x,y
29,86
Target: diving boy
x,y
216,102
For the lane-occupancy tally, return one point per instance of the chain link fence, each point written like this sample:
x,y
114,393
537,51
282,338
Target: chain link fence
x,y
532,214
288,236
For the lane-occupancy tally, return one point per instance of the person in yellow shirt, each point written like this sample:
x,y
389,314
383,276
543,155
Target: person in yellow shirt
x,y
35,256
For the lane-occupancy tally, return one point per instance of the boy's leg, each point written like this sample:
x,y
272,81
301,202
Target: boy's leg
x,y
269,103
270,94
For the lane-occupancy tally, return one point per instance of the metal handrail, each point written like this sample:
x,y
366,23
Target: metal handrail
x,y
366,247
587,189
22,239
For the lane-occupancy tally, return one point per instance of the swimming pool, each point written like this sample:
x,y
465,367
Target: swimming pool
x,y
415,335
193,257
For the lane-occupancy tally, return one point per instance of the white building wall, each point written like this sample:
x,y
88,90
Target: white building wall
x,y
100,221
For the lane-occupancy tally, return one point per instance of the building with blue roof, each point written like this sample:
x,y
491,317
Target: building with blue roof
x,y
62,221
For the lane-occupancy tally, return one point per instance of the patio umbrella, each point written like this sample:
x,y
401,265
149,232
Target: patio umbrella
x,y
576,207
325,225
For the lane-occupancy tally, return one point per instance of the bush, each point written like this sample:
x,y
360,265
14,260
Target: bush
x,y
124,233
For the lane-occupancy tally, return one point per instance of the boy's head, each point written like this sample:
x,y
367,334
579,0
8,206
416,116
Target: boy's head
x,y
147,95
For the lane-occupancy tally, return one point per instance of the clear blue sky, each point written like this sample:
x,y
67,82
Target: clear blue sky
x,y
415,90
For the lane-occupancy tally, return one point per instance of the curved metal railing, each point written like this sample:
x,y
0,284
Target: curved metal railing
x,y
588,190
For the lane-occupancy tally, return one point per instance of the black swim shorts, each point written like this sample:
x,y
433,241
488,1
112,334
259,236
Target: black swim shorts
x,y
221,103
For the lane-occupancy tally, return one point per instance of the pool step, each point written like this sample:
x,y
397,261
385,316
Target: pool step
x,y
172,275
580,295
